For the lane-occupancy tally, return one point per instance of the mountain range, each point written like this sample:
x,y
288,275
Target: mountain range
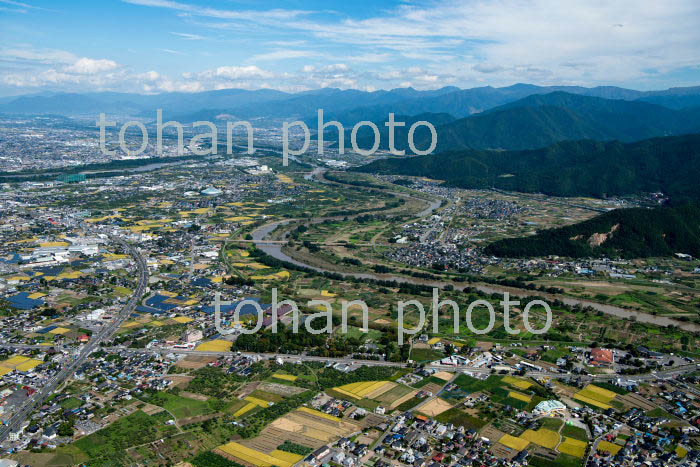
x,y
542,119
348,106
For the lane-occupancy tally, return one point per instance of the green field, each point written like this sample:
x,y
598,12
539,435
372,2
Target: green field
x,y
575,432
71,403
409,404
426,355
431,379
107,446
562,460
460,418
394,394
552,423
182,407
470,385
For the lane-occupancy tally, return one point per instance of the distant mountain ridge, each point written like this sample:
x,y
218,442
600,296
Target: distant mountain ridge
x,y
542,119
365,135
348,106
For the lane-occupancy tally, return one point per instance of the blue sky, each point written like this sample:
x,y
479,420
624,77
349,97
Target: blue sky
x,y
186,45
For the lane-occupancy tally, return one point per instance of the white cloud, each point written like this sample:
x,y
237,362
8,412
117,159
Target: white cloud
x,y
610,41
89,66
283,54
249,15
37,56
188,36
236,73
422,43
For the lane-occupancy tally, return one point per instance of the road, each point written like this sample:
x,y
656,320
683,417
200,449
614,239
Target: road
x,y
670,373
105,333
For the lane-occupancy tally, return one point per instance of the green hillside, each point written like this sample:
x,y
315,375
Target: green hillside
x,y
572,168
627,233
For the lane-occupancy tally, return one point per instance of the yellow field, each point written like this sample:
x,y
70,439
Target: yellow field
x,y
434,341
70,275
287,457
318,414
285,178
593,402
282,275
514,443
543,437
59,331
596,396
53,244
114,256
516,382
28,365
606,446
520,396
573,447
131,324
183,319
14,361
259,402
245,409
37,295
360,390
19,363
285,377
217,345
603,393
258,458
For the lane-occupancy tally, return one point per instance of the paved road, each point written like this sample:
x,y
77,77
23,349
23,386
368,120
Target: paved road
x,y
42,394
670,373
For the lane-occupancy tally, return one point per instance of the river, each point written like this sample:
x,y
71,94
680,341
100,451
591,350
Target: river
x,y
275,250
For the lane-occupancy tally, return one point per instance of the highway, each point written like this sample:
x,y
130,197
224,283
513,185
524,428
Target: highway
x,y
42,394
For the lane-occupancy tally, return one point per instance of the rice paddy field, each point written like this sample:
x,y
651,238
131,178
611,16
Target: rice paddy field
x,y
304,426
542,437
217,345
514,442
606,446
365,389
284,377
573,447
371,394
260,459
596,396
18,363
